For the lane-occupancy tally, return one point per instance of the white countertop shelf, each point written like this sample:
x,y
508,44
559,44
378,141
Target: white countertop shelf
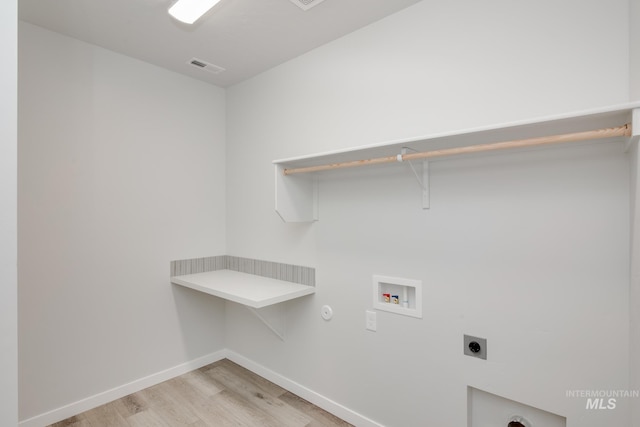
x,y
243,288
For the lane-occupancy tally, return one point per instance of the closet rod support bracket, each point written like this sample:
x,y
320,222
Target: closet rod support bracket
x,y
426,196
422,182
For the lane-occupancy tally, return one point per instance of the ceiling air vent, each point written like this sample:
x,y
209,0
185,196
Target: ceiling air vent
x,y
206,66
306,4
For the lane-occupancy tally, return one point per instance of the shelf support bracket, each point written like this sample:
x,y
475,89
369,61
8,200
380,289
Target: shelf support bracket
x,y
635,129
262,315
422,182
426,196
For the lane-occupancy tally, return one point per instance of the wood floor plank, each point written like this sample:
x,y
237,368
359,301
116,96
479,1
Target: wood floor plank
x,y
222,394
202,383
107,415
246,386
320,416
148,418
231,409
247,375
75,421
134,404
191,402
170,406
198,423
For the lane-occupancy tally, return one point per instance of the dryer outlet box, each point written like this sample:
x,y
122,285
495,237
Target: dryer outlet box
x,y
475,347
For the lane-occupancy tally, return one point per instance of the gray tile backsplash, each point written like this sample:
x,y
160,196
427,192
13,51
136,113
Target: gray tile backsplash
x,y
275,270
198,265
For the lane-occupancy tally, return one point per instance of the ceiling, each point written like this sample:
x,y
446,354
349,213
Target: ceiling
x,y
245,37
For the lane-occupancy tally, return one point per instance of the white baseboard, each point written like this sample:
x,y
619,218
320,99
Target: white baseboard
x,y
116,393
319,400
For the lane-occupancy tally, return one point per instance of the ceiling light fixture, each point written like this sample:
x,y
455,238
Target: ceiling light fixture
x,y
189,11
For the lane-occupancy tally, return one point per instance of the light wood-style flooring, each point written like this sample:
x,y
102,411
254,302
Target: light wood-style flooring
x,y
220,394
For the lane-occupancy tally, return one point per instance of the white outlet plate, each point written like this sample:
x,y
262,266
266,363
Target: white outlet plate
x,y
371,322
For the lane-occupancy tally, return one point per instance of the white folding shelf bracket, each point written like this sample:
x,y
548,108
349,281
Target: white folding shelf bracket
x,y
422,182
268,316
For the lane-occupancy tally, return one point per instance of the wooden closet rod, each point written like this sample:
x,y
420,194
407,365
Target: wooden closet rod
x,y
624,130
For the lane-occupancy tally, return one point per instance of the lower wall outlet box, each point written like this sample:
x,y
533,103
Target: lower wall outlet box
x,y
475,347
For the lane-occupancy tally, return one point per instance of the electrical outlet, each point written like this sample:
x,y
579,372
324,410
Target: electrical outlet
x,y
371,322
475,347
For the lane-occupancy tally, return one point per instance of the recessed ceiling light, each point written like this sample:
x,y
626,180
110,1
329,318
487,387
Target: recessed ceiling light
x,y
189,11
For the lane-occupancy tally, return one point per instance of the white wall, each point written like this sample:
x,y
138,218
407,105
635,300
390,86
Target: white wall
x,y
529,250
121,170
8,211
634,48
634,297
634,294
